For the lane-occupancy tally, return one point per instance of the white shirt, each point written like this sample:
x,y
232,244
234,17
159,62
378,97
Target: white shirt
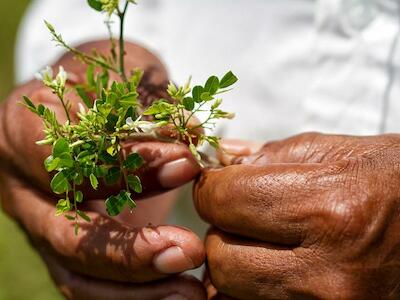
x,y
326,65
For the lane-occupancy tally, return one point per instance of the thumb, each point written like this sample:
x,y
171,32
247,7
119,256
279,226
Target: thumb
x,y
232,151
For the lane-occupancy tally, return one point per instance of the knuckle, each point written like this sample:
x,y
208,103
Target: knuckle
x,y
217,263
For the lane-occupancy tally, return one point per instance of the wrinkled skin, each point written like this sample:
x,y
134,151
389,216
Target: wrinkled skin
x,y
117,258
311,217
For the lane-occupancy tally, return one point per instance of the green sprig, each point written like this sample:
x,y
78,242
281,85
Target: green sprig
x,y
89,150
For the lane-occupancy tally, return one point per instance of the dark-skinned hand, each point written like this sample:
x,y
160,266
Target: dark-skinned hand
x,y
310,217
121,258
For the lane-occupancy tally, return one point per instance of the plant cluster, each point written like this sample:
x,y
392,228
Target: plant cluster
x,y
90,149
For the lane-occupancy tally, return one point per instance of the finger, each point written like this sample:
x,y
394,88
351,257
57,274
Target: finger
x,y
316,148
248,270
275,203
74,286
166,166
231,150
104,248
212,292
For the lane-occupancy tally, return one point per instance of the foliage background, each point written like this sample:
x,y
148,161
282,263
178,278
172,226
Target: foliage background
x,y
22,274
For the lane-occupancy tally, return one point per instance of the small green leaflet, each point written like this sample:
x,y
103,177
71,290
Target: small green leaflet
x,y
95,4
133,162
63,206
228,80
51,163
83,215
85,98
188,102
113,175
196,93
135,183
60,147
59,184
29,104
79,196
212,85
116,204
93,181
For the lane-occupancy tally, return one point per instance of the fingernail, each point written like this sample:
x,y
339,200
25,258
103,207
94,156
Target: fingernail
x,y
177,172
175,297
240,147
172,260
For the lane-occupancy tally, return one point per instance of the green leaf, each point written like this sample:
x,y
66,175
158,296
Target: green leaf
x,y
104,77
188,102
152,110
133,162
213,141
61,146
228,80
126,196
79,196
51,163
100,171
113,175
96,4
107,158
135,79
84,216
59,184
49,26
158,107
212,85
93,181
78,178
135,183
115,204
63,206
41,109
129,99
76,228
69,217
29,104
196,93
65,161
85,98
90,76
206,96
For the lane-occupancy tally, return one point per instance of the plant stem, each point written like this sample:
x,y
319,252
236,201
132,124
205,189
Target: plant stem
x,y
112,41
121,15
84,56
123,171
61,97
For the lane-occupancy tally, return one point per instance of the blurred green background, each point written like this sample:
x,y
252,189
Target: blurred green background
x,y
22,274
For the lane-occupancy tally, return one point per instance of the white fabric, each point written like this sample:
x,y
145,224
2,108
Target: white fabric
x,y
323,65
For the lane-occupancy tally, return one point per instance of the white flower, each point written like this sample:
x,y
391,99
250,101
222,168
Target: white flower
x,y
45,75
62,77
130,122
57,84
147,127
140,126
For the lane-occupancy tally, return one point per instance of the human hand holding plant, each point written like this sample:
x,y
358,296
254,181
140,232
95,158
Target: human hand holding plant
x,y
106,141
106,251
313,216
91,148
